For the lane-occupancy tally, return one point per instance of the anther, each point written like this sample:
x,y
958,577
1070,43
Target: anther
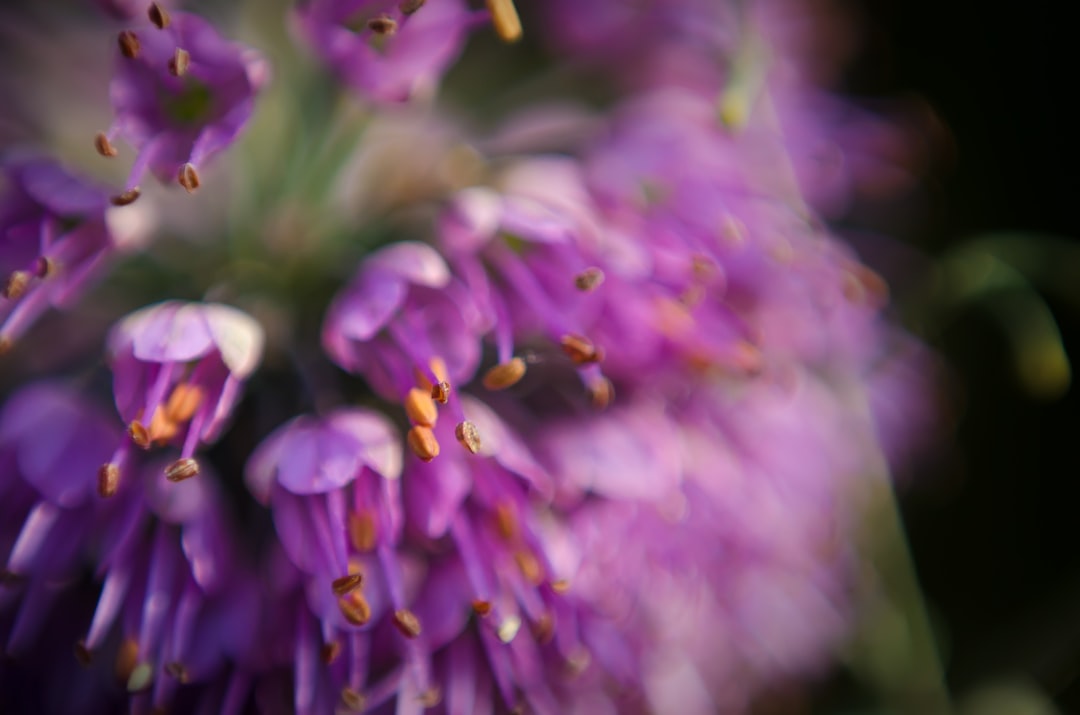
x,y
330,652
601,393
182,469
126,659
504,374
353,700
440,392
44,266
139,434
83,654
16,285
544,628
408,7
128,197
183,402
420,407
179,62
362,531
188,178
481,607
407,622
560,586
382,25
104,146
162,429
529,566
108,480
580,349
178,671
346,584
423,443
354,607
141,678
508,628
589,279
430,697
158,16
6,344
129,44
468,436
505,521
9,578
505,19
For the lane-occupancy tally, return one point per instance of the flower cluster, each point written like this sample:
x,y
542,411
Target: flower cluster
x,y
581,432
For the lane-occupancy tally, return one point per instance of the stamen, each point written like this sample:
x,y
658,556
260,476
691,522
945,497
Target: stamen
x,y
44,266
508,628
544,628
353,700
188,178
127,658
505,521
129,44
441,392
468,436
330,652
182,469
83,654
601,393
362,531
108,480
183,402
529,566
128,197
505,19
355,608
16,285
139,434
407,622
178,671
179,62
481,607
430,697
560,586
580,349
6,344
162,429
408,7
141,678
104,146
158,16
504,374
589,279
423,443
383,25
346,584
420,407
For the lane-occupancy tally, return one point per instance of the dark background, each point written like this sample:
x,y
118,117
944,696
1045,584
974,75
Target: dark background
x,y
995,524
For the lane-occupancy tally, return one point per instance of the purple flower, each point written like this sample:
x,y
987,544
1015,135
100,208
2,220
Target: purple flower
x,y
51,445
186,609
387,50
181,94
438,577
178,369
54,241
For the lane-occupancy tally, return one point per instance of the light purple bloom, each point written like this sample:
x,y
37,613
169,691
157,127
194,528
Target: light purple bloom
x,y
51,445
178,369
387,50
403,310
181,94
54,241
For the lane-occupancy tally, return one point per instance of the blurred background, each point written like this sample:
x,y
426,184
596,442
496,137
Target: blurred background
x,y
992,519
